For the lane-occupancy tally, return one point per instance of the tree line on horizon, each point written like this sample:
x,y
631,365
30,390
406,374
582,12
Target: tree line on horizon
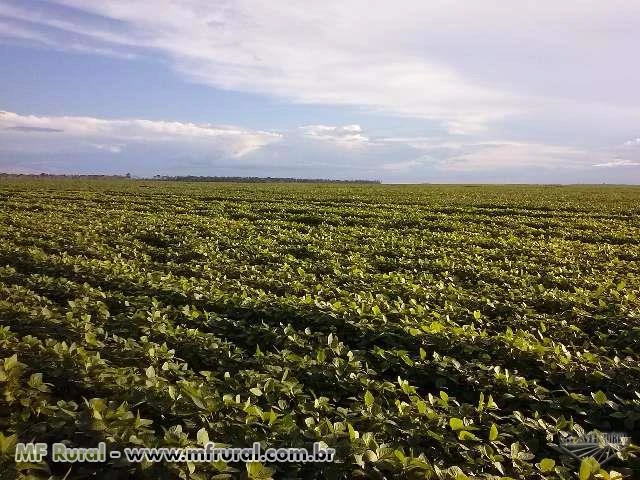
x,y
192,178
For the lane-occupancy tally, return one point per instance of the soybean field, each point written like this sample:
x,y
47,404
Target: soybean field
x,y
423,332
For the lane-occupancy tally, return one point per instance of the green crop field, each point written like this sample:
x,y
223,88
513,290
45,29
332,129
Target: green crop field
x,y
438,332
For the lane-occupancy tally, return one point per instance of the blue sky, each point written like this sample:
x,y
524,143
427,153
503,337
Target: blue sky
x,y
407,91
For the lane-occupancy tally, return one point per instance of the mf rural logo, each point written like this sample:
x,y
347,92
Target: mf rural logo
x,y
602,446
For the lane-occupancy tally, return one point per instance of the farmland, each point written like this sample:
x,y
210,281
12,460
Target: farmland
x,y
443,332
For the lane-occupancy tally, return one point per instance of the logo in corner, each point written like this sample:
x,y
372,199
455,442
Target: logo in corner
x,y
603,446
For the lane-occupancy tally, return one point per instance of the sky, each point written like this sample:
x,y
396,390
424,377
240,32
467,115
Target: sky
x,y
403,92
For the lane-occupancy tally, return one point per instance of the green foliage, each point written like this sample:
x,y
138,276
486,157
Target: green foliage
x,y
433,332
547,464
493,433
456,424
588,468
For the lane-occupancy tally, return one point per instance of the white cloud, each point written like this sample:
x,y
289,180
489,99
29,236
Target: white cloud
x,y
109,148
423,142
346,135
617,163
632,143
18,32
27,132
31,35
501,155
505,155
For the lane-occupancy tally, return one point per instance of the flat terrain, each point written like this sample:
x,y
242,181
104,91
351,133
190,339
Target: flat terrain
x,y
422,331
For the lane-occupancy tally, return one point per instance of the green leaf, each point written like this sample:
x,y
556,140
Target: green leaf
x,y
465,435
353,434
547,464
7,444
477,314
588,467
481,402
35,381
493,432
202,437
368,399
257,471
90,338
256,391
456,424
405,358
10,362
599,397
151,372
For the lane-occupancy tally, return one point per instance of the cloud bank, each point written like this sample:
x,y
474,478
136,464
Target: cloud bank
x,y
464,64
58,144
48,133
